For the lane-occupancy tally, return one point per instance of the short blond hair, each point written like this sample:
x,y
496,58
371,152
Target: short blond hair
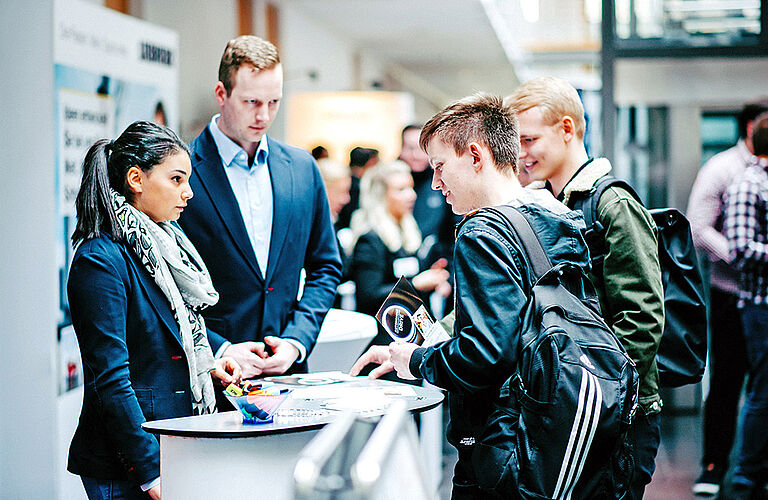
x,y
554,96
246,49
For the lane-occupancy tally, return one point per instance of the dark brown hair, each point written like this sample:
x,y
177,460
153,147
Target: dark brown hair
x,y
143,144
480,118
760,135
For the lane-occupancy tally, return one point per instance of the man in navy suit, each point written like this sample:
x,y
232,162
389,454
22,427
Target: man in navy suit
x,y
259,217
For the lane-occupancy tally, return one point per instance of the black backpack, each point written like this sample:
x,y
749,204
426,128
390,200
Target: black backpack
x,y
558,427
682,352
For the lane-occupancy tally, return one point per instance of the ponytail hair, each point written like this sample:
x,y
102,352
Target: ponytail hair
x,y
143,144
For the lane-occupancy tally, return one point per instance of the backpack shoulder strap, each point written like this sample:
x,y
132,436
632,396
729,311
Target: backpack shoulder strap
x,y
594,232
591,201
534,251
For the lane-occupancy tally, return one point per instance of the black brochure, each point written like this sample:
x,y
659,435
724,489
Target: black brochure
x,y
404,316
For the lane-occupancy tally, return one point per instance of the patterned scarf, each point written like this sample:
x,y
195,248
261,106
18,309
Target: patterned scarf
x,y
174,264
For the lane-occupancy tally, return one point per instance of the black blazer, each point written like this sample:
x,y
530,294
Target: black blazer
x,y
373,272
133,361
252,306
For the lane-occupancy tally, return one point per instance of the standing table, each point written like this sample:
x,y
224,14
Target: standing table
x,y
217,456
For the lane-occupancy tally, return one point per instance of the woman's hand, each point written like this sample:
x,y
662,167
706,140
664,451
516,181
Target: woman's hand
x,y
227,370
436,277
430,279
154,492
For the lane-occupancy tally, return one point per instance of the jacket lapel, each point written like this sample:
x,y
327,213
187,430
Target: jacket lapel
x,y
281,175
156,297
214,180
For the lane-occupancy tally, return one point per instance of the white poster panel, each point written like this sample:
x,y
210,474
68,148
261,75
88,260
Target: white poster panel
x,y
110,70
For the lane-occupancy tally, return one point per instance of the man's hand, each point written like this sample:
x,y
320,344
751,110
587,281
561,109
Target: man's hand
x,y
250,356
400,355
378,354
227,370
284,355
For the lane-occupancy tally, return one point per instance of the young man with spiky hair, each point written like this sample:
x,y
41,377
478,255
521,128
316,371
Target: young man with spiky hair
x,y
473,148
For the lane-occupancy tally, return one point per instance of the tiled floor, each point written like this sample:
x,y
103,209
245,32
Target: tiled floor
x,y
677,463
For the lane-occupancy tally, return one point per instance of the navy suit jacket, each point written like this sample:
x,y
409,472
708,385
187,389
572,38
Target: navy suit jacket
x,y
133,361
252,306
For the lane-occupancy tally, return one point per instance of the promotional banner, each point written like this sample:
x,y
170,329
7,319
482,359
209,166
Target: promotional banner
x,y
110,70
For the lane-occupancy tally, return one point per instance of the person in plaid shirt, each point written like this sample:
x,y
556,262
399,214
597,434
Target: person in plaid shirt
x,y
746,228
727,354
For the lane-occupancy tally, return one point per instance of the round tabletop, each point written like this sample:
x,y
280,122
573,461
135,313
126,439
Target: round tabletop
x,y
308,407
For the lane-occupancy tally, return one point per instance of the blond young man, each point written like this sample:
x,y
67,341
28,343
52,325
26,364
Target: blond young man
x,y
630,290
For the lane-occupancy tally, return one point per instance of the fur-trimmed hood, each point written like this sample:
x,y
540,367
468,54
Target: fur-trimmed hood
x,y
586,178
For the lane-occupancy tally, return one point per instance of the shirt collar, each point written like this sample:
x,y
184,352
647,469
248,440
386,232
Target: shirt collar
x,y
229,149
561,196
741,147
760,163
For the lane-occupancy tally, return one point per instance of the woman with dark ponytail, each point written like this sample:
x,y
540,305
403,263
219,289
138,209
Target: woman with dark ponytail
x,y
136,288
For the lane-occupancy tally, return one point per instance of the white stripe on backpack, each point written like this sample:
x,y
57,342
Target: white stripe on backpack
x,y
583,430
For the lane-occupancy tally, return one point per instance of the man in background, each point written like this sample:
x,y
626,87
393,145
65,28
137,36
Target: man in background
x,y
746,228
727,356
432,213
360,160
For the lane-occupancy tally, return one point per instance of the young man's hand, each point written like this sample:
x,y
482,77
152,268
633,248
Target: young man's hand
x,y
284,355
250,356
400,356
378,354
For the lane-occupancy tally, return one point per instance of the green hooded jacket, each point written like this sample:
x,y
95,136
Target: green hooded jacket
x,y
631,292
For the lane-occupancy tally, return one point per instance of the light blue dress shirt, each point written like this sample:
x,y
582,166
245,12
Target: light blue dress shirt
x,y
252,186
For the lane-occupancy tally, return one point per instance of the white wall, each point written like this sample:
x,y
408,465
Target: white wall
x,y
204,29
701,81
305,47
309,47
28,273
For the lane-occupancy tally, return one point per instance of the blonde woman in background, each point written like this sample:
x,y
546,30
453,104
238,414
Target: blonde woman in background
x,y
337,179
387,241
